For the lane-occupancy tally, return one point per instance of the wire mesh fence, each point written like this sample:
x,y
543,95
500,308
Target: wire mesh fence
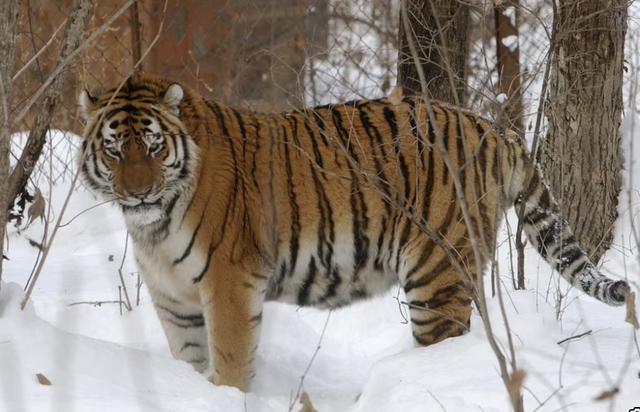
x,y
259,54
263,55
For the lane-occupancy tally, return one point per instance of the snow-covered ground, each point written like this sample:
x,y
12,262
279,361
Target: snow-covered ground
x,y
99,360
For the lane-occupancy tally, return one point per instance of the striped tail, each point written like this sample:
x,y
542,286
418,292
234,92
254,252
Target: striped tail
x,y
552,236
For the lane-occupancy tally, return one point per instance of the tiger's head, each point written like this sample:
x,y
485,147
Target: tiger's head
x,y
136,149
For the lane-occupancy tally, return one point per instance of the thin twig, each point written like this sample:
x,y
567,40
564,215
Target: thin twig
x,y
95,302
33,43
134,19
315,353
138,286
120,298
42,50
124,286
85,211
576,336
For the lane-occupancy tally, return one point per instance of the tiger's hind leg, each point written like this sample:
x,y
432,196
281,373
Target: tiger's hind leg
x,y
439,305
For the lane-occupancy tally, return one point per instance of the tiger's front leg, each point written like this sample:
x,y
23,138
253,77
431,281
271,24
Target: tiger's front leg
x,y
233,298
184,327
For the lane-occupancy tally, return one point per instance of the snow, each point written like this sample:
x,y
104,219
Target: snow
x,y
510,42
100,360
510,12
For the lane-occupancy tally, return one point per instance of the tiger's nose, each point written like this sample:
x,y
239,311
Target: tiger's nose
x,y
141,194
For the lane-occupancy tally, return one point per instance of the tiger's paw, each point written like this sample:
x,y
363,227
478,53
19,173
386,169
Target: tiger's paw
x,y
236,382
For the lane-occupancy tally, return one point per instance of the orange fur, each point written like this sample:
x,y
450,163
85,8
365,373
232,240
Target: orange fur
x,y
321,206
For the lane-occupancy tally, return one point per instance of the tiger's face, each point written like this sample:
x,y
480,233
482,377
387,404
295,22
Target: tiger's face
x,y
136,150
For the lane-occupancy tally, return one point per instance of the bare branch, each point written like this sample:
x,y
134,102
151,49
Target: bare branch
x,y
77,23
42,50
124,286
575,337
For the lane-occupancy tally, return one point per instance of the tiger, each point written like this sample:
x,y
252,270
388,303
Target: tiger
x,y
320,207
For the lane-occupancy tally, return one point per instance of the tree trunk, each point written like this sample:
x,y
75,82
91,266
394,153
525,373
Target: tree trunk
x,y
76,25
8,28
508,51
580,153
439,31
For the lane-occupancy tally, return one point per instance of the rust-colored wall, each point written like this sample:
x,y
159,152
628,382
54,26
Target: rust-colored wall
x,y
241,52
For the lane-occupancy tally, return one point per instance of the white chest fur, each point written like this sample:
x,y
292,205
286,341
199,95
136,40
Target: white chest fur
x,y
158,267
164,265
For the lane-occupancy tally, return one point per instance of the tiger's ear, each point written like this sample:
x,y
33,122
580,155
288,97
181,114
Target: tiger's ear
x,y
173,97
87,103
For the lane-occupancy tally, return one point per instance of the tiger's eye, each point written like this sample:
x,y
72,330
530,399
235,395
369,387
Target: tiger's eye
x,y
112,150
154,148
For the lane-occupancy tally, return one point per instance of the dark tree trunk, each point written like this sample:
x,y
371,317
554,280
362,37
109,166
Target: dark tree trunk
x,y
508,51
580,153
8,28
439,32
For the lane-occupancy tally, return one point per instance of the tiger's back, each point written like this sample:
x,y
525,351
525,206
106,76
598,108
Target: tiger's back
x,y
316,207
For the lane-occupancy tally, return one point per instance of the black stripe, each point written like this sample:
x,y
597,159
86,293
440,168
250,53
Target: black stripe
x,y
415,131
319,120
426,201
332,289
460,142
293,122
373,132
497,167
426,278
255,122
190,345
376,141
445,138
360,221
314,144
232,200
426,322
305,289
447,295
256,319
294,241
198,278
568,258
390,117
577,271
197,360
187,251
243,132
181,320
442,229
325,223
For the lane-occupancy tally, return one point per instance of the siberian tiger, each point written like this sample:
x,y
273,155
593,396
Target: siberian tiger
x,y
316,207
